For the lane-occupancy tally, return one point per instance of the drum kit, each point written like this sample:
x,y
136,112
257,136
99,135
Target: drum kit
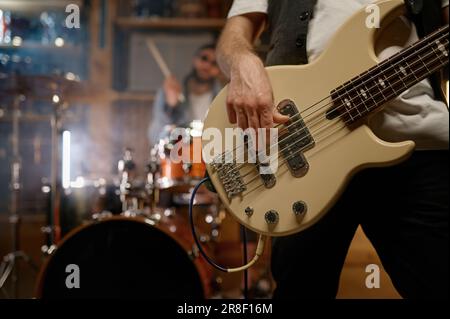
x,y
129,235
116,232
141,244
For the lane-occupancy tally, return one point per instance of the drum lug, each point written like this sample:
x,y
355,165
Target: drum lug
x,y
101,216
194,252
187,167
48,250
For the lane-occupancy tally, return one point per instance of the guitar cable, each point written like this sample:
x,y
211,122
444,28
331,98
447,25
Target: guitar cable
x,y
259,247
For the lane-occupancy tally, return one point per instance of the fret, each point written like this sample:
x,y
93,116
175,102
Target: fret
x,y
410,68
426,66
356,103
362,95
441,47
386,79
341,105
437,54
346,111
370,93
381,91
383,82
349,106
400,77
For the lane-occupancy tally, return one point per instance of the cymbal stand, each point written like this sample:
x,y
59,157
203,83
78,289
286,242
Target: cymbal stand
x,y
53,229
8,267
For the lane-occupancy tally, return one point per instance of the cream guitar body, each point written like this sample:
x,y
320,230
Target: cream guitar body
x,y
294,203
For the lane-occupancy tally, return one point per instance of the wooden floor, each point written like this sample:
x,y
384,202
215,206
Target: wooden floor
x,y
352,283
353,277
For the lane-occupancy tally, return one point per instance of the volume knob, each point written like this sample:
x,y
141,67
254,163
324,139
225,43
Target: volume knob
x,y
299,208
272,217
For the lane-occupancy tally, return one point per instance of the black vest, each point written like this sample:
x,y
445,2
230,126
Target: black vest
x,y
289,21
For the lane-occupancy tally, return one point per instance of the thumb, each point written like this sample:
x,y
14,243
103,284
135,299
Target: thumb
x,y
279,118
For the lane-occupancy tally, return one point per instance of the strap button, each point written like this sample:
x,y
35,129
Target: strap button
x,y
305,15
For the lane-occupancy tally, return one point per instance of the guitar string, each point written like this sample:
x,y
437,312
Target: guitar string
x,y
374,68
326,127
347,112
381,64
347,92
317,142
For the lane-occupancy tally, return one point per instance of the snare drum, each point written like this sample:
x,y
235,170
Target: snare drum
x,y
188,166
128,257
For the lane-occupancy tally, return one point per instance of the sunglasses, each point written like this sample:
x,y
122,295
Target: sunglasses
x,y
205,58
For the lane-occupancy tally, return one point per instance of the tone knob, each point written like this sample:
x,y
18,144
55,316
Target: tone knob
x,y
249,211
272,217
299,208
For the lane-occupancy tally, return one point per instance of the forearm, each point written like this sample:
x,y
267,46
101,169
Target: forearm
x,y
236,42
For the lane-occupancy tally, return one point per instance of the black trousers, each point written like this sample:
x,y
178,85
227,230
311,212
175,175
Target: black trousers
x,y
404,212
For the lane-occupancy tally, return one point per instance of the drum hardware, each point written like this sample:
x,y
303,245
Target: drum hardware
x,y
194,252
150,186
101,216
102,250
134,194
8,267
126,167
48,250
53,89
187,167
181,174
134,213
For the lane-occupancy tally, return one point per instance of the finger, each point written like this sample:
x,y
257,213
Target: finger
x,y
253,119
279,118
242,121
253,122
231,113
266,117
266,120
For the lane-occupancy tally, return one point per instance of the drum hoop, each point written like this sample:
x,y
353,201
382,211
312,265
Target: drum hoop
x,y
196,260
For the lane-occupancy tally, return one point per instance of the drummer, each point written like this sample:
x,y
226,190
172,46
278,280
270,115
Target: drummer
x,y
180,103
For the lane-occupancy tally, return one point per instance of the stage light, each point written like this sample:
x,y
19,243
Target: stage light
x,y
59,42
17,41
66,159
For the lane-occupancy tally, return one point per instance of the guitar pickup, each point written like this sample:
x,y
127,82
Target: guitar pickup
x,y
294,139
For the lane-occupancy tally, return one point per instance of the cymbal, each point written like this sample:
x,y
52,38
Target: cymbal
x,y
37,85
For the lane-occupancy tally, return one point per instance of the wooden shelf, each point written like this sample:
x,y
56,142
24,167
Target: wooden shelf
x,y
135,96
170,23
36,5
27,118
43,47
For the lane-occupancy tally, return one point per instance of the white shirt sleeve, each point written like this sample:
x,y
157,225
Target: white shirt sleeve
x,y
240,7
444,3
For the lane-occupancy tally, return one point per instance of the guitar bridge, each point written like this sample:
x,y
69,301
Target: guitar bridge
x,y
294,139
229,174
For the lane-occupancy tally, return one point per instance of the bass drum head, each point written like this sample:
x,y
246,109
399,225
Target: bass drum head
x,y
121,258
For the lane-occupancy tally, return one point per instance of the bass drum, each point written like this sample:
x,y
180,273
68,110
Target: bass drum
x,y
128,257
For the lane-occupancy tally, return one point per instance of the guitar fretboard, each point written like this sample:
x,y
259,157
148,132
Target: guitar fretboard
x,y
370,90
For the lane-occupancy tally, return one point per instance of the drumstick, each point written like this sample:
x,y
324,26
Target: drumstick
x,y
161,63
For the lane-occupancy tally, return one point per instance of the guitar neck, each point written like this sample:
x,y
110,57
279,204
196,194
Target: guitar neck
x,y
369,91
